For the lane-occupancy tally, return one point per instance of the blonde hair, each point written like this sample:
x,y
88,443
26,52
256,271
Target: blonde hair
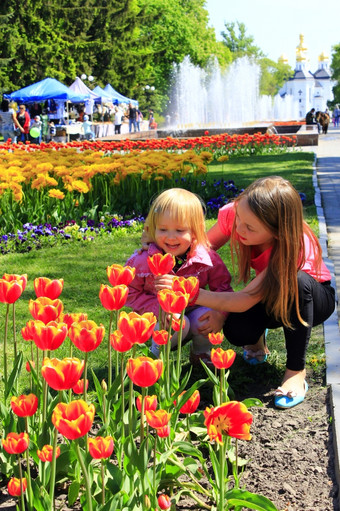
x,y
277,204
185,207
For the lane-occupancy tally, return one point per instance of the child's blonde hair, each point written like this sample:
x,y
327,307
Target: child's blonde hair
x,y
277,204
185,207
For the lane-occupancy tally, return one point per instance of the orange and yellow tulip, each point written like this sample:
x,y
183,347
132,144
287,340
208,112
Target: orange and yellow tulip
x,y
160,337
118,274
157,419
222,359
28,329
150,403
15,443
73,317
216,338
44,309
49,336
44,286
172,302
119,342
62,374
144,371
189,285
231,419
100,447
14,487
190,406
46,453
135,327
164,501
78,388
73,420
24,405
86,335
113,298
12,287
160,264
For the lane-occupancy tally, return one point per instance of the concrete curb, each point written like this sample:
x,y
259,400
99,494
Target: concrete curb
x,y
331,335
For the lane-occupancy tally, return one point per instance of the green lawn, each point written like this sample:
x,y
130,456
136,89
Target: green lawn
x,y
83,265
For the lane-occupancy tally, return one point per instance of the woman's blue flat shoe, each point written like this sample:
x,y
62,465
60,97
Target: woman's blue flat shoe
x,y
288,399
255,358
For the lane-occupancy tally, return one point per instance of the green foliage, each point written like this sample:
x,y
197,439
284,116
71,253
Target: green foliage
x,y
240,44
273,76
335,65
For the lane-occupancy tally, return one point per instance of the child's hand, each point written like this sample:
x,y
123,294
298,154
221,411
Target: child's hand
x,y
163,282
213,322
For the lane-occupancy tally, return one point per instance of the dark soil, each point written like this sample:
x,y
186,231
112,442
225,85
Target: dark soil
x,y
291,455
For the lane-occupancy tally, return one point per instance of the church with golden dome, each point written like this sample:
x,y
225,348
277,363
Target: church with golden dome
x,y
309,90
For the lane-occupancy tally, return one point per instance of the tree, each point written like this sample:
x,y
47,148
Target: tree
x,y
273,76
239,44
335,66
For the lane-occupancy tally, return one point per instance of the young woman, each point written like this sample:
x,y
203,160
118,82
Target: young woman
x,y
175,225
292,284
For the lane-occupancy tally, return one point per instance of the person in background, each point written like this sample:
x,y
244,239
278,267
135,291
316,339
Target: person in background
x,y
35,109
36,123
87,127
132,118
139,119
24,120
175,225
118,119
8,120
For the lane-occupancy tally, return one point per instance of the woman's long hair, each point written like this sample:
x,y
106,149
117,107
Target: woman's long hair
x,y
277,204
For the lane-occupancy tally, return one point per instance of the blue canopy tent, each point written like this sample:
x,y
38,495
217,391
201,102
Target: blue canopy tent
x,y
49,88
106,98
118,97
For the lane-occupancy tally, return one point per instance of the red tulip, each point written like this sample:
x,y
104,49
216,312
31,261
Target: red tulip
x,y
12,287
29,364
160,337
113,298
144,371
78,388
231,419
189,285
15,443
216,338
222,359
46,453
119,342
190,406
24,405
49,336
176,324
160,264
164,431
150,403
14,487
73,420
45,309
44,286
27,331
86,335
172,302
74,317
100,447
164,502
118,274
62,374
135,327
157,419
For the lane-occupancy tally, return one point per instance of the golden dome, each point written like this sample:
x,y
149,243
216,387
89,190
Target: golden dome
x,y
323,56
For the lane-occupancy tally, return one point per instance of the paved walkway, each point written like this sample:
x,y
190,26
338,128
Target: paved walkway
x,y
327,198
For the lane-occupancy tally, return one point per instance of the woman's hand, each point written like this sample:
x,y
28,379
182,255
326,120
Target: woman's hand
x,y
212,322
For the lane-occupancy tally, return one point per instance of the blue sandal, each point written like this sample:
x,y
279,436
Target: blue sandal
x,y
258,357
287,399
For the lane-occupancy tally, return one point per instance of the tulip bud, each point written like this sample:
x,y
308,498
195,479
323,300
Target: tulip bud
x,y
147,502
104,386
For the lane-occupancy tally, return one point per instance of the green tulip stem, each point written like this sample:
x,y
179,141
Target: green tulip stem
x,y
103,480
85,376
22,503
167,359
5,350
131,393
222,385
53,465
179,347
109,375
122,385
222,453
86,477
154,465
144,393
14,334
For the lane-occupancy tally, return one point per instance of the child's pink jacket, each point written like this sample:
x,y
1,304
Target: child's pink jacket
x,y
206,265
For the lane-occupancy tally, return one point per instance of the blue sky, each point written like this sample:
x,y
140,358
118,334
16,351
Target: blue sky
x,y
276,25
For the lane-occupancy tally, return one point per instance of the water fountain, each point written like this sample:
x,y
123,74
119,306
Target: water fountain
x,y
214,98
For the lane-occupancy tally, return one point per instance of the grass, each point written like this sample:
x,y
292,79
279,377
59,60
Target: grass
x,y
83,268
